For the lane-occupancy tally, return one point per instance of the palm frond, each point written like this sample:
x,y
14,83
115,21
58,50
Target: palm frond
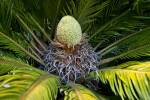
x,y
105,21
7,64
107,24
129,80
103,34
113,6
14,46
130,41
34,36
27,84
78,92
137,6
46,13
43,31
122,25
7,53
135,53
5,15
85,11
54,12
29,6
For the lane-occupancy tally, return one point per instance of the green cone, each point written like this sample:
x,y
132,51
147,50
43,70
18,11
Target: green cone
x,y
69,31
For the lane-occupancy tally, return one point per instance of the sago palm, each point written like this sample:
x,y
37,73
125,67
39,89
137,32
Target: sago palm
x,y
68,49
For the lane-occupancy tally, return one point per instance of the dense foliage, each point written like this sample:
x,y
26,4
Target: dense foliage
x,y
118,30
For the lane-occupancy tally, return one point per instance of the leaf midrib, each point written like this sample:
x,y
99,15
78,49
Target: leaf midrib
x,y
33,86
113,44
126,70
18,45
83,9
16,64
126,53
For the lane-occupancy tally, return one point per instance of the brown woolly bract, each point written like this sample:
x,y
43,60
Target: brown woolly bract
x,y
70,66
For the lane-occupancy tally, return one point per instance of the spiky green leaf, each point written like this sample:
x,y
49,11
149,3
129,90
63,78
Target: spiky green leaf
x,y
129,80
78,92
14,46
28,84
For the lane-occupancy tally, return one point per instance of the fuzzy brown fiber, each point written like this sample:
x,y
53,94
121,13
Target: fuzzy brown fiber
x,y
70,66
68,61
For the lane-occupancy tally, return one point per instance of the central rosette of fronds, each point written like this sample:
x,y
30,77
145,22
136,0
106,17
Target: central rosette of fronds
x,y
70,56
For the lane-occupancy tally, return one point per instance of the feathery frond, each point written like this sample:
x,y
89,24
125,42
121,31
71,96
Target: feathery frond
x,y
5,15
14,46
7,64
43,31
34,36
135,53
129,80
134,48
27,84
85,11
27,29
107,24
78,92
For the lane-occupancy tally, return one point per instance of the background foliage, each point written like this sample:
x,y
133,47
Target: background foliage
x,y
118,30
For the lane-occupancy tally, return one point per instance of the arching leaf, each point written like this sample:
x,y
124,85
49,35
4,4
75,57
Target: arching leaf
x,y
8,64
5,15
28,84
129,80
85,11
13,45
142,36
78,92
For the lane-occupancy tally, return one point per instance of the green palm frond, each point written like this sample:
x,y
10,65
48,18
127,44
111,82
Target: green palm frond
x,y
85,11
146,4
135,53
14,46
115,29
7,64
29,6
54,8
78,92
34,36
5,15
129,80
42,30
108,24
137,6
28,84
45,12
105,30
133,48
7,53
103,34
